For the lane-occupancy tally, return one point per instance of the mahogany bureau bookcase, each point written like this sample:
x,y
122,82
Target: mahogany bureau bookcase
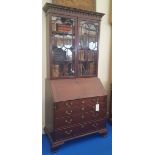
x,y
76,101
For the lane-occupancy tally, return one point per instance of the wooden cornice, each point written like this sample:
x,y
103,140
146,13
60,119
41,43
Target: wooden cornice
x,y
48,7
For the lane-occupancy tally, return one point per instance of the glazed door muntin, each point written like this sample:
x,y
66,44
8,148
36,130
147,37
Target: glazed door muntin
x,y
62,46
71,66
87,47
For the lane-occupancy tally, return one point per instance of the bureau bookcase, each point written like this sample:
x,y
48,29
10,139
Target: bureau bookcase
x,y
76,101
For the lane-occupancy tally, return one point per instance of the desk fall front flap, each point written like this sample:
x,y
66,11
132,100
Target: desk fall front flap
x,y
70,89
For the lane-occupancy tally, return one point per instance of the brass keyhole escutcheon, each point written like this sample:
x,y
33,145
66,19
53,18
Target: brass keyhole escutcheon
x,y
82,108
82,116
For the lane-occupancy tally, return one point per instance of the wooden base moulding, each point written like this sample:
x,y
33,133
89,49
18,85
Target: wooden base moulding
x,y
56,144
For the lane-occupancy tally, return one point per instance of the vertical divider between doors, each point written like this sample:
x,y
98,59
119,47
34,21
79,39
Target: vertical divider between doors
x,y
76,46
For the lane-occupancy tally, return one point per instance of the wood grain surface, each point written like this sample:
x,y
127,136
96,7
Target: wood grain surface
x,y
81,4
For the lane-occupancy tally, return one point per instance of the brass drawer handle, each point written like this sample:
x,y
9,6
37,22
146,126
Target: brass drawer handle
x,y
68,132
69,113
69,104
66,121
94,125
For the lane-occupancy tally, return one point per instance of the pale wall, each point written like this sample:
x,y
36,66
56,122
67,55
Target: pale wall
x,y
43,61
104,68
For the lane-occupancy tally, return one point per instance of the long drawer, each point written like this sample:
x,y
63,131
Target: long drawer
x,y
79,106
78,103
79,118
78,129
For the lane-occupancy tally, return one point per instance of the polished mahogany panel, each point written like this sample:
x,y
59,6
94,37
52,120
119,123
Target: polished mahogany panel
x,y
78,129
78,103
74,106
79,88
82,117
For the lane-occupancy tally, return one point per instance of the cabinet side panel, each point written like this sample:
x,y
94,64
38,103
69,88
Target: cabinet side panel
x,y
48,44
48,107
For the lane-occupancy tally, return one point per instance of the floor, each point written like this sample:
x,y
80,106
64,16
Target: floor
x,y
89,145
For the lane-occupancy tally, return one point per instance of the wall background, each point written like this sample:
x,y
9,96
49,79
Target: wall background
x,y
105,49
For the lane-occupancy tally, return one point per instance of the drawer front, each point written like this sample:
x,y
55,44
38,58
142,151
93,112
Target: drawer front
x,y
80,128
66,112
74,111
66,105
99,99
78,118
79,106
78,103
93,126
66,133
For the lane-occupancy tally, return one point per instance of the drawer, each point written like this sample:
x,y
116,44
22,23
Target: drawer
x,y
102,107
98,99
89,103
80,106
93,115
78,103
78,129
71,120
66,133
70,112
66,112
66,105
78,118
93,126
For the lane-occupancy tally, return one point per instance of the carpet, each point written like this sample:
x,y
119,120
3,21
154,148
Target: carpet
x,y
89,145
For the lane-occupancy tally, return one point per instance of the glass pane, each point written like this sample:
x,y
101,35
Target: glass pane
x,y
62,24
63,45
87,62
88,47
92,43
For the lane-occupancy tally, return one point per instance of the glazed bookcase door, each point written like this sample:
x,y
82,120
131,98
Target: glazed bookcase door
x,y
62,47
88,48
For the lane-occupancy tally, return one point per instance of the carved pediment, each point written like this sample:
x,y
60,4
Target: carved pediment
x,y
54,8
81,4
